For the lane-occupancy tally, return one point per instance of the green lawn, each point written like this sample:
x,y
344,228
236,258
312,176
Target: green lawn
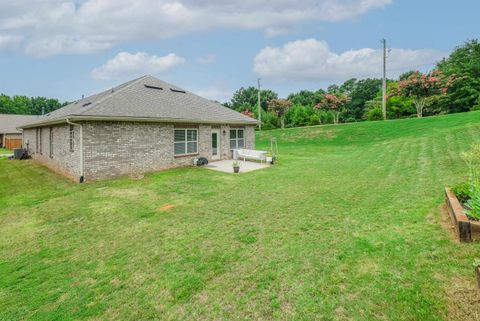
x,y
5,151
347,226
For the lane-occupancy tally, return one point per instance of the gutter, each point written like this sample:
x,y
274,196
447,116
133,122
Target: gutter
x,y
82,176
138,119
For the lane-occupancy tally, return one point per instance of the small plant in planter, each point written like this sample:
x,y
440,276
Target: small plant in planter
x,y
463,200
236,166
472,195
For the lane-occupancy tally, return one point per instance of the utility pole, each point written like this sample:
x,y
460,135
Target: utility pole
x,y
259,107
384,80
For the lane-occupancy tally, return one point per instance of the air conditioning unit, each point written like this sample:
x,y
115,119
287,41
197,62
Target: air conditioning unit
x,y
20,153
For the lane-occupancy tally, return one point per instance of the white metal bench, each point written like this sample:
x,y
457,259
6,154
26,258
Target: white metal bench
x,y
250,154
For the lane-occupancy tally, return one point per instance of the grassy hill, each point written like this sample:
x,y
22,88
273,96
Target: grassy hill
x,y
348,225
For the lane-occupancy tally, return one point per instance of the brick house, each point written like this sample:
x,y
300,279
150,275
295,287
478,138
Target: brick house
x,y
143,125
10,136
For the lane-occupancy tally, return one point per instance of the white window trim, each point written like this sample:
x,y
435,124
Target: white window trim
x,y
185,142
236,138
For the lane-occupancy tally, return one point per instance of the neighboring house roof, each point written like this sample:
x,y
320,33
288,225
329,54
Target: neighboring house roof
x,y
10,122
145,99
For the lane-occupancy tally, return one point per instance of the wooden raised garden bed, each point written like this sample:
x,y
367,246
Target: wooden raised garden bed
x,y
466,230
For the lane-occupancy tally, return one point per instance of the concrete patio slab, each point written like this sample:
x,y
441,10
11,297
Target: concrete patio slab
x,y
226,166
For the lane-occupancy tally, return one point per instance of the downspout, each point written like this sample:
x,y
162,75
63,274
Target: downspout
x,y
81,148
23,139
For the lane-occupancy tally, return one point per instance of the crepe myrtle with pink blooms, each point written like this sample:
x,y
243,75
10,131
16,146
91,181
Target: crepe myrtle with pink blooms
x,y
422,86
335,103
280,107
248,113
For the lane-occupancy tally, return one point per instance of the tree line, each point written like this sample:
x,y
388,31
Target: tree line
x,y
452,86
28,105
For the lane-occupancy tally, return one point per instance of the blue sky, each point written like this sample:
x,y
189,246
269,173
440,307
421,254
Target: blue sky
x,y
64,49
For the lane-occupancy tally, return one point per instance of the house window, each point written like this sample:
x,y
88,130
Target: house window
x,y
40,140
72,138
51,142
185,142
237,139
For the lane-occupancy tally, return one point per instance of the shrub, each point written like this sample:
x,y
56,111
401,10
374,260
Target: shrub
x,y
298,116
375,114
472,158
270,120
314,120
326,117
474,203
477,106
462,191
350,120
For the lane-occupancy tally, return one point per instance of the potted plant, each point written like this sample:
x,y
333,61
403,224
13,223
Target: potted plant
x,y
236,166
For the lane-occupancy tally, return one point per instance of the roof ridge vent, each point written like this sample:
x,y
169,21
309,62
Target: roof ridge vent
x,y
153,87
86,104
178,90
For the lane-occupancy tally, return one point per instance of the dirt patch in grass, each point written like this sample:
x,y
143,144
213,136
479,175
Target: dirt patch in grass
x,y
446,223
166,207
463,299
136,176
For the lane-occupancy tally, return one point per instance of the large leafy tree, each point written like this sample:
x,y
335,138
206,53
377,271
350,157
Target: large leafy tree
x,y
335,103
348,86
463,64
332,89
27,105
247,98
406,74
280,107
359,93
306,97
420,87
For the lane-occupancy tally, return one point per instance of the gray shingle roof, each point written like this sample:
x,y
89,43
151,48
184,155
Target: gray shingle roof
x,y
137,100
10,122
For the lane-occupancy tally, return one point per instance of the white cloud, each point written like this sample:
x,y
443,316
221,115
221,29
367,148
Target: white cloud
x,y
217,91
312,60
126,65
52,27
9,41
206,59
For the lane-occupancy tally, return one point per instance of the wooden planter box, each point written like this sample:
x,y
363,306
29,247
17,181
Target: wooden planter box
x,y
465,229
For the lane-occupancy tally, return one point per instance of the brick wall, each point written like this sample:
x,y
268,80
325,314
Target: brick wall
x,y
62,160
249,137
113,149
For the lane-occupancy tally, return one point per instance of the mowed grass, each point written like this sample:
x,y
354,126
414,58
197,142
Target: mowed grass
x,y
348,225
5,151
